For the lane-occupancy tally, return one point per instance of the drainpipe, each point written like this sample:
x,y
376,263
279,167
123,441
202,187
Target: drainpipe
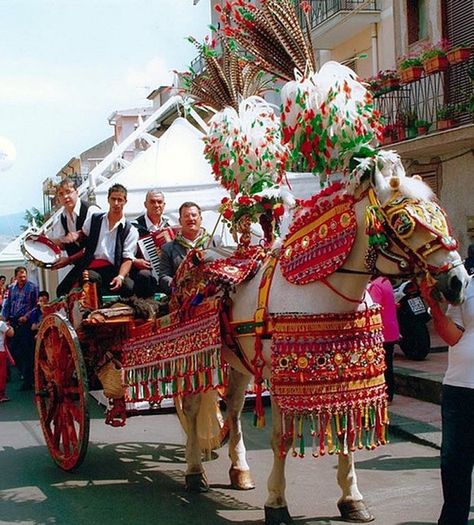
x,y
375,50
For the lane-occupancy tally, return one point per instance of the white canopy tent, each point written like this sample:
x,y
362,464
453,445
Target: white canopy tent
x,y
175,164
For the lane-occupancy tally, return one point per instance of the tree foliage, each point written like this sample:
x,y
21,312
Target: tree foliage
x,y
32,217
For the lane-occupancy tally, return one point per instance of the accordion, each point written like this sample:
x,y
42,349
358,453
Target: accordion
x,y
150,246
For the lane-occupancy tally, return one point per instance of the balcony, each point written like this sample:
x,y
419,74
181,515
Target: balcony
x,y
432,115
333,22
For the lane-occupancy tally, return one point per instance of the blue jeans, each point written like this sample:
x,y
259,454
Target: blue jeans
x,y
457,453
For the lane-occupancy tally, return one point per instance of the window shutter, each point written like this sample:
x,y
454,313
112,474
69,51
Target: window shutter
x,y
459,29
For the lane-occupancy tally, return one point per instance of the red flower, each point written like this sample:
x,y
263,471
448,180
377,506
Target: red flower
x,y
278,210
227,213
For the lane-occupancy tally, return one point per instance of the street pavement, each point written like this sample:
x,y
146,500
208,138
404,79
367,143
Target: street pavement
x,y
135,475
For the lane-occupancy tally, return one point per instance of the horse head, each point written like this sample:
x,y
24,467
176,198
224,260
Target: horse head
x,y
408,228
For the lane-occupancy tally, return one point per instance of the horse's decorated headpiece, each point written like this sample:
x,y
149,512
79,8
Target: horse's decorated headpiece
x,y
403,215
398,219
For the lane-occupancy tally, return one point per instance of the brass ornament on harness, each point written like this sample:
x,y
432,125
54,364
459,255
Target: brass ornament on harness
x,y
402,215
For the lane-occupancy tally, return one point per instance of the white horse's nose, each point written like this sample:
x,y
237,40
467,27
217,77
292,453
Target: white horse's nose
x,y
452,284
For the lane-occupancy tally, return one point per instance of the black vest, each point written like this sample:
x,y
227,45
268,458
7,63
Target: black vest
x,y
74,247
93,239
140,225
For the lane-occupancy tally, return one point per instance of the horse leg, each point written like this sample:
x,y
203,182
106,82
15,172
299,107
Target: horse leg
x,y
195,477
276,508
239,472
351,504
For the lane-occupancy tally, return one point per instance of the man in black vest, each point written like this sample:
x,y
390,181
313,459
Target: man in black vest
x,y
66,233
110,246
153,221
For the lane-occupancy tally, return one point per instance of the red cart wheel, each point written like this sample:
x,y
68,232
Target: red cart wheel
x,y
61,391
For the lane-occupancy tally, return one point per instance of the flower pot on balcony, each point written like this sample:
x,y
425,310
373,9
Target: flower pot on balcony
x,y
435,64
446,123
422,130
410,74
401,134
390,84
458,55
411,132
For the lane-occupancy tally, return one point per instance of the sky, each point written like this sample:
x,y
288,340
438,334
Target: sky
x,y
66,65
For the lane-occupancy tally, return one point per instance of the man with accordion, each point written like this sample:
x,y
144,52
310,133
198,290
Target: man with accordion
x,y
154,230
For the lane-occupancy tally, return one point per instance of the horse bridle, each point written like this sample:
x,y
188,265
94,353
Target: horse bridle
x,y
400,216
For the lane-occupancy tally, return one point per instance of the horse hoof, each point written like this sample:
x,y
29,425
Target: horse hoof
x,y
241,479
196,483
355,511
277,516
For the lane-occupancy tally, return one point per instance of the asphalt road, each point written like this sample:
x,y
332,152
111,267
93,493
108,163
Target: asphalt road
x,y
135,475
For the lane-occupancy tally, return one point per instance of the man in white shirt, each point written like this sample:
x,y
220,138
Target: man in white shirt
x,y
66,232
111,242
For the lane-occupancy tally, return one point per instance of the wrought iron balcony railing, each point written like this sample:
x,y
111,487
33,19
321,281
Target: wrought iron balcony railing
x,y
432,103
322,10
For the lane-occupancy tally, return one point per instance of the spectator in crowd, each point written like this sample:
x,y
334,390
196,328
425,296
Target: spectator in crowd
x,y
151,222
17,309
3,288
456,327
110,246
191,235
67,233
5,331
469,262
37,313
381,292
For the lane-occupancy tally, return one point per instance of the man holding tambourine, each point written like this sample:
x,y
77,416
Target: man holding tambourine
x,y
66,233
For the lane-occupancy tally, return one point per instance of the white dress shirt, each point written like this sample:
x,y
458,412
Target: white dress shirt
x,y
105,248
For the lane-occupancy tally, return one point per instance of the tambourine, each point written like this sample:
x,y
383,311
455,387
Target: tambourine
x,y
40,250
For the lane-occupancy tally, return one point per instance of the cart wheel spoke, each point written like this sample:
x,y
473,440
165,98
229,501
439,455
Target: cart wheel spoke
x,y
62,391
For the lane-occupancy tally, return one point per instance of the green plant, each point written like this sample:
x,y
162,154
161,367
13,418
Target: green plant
x,y
449,111
422,123
409,61
408,118
432,52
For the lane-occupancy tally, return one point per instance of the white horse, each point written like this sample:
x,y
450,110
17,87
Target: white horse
x,y
412,245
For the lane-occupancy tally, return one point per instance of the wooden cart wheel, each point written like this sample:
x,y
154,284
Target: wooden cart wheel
x,y
61,391
213,429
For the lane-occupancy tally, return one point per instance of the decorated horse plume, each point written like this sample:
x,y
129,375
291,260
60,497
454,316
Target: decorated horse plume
x,y
327,116
271,33
227,77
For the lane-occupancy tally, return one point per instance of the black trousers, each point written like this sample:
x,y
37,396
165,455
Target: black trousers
x,y
103,276
457,453
22,347
145,285
389,377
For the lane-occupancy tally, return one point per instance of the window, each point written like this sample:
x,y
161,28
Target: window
x,y
417,20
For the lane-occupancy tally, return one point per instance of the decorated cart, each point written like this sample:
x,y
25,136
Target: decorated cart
x,y
136,356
